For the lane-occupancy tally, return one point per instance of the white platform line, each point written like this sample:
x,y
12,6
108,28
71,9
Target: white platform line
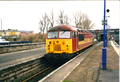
x,y
115,48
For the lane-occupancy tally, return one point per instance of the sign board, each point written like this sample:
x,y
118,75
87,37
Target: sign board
x,y
104,22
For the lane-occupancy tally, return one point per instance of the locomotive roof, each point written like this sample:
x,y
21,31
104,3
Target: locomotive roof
x,y
63,27
67,28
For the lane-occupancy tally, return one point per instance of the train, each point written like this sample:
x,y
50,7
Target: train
x,y
64,41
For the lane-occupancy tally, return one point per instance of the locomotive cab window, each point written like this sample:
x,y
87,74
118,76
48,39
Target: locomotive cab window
x,y
64,34
73,34
81,37
52,34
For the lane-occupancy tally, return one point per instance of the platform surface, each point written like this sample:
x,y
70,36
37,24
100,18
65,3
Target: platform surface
x,y
89,69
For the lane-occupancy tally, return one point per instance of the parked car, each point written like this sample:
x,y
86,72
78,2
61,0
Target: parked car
x,y
2,40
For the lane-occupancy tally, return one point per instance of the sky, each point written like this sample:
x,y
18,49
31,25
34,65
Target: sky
x,y
25,15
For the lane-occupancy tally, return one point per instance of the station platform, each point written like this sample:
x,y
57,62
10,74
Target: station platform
x,y
89,67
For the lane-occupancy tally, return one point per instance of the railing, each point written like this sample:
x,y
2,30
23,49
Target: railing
x,y
16,42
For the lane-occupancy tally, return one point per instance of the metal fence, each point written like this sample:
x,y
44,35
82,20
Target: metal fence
x,y
16,42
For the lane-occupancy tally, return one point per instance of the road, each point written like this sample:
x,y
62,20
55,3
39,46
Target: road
x,y
7,57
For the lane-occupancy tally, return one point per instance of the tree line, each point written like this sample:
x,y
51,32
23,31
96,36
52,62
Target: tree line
x,y
81,21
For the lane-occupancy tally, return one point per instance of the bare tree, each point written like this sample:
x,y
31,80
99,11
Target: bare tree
x,y
51,19
66,19
82,21
63,19
87,23
44,22
41,26
78,16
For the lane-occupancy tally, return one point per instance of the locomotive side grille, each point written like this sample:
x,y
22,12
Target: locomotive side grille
x,y
57,47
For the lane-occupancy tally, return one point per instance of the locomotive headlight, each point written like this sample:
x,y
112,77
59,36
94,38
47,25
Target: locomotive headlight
x,y
67,45
49,42
48,47
63,42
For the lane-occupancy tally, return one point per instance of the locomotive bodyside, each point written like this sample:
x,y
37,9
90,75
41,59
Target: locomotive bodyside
x,y
86,41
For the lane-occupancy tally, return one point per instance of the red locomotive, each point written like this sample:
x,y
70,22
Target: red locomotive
x,y
63,41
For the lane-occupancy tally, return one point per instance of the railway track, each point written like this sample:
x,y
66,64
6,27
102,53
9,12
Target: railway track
x,y
41,74
36,77
23,71
28,79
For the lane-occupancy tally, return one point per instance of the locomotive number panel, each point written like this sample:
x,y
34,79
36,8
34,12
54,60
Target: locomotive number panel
x,y
57,47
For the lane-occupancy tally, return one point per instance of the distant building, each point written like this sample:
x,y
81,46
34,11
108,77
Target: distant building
x,y
23,33
12,32
113,34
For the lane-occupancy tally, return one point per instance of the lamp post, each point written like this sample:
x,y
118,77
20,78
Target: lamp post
x,y
104,49
104,22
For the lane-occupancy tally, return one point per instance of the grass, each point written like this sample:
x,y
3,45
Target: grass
x,y
89,57
68,81
75,70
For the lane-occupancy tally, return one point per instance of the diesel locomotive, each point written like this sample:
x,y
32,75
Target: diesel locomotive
x,y
64,41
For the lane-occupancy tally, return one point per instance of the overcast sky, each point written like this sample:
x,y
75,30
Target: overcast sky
x,y
25,15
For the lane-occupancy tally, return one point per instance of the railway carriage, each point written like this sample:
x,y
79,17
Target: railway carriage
x,y
63,41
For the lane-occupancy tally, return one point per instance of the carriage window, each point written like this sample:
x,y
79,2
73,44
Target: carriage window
x,y
73,34
52,34
81,37
64,34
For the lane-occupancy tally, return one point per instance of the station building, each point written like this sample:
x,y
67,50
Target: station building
x,y
113,34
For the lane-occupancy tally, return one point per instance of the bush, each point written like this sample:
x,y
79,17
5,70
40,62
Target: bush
x,y
34,37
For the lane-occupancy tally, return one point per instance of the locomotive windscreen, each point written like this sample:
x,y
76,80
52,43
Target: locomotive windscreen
x,y
64,34
52,34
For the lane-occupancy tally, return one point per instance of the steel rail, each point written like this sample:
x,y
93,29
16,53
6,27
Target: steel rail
x,y
36,74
